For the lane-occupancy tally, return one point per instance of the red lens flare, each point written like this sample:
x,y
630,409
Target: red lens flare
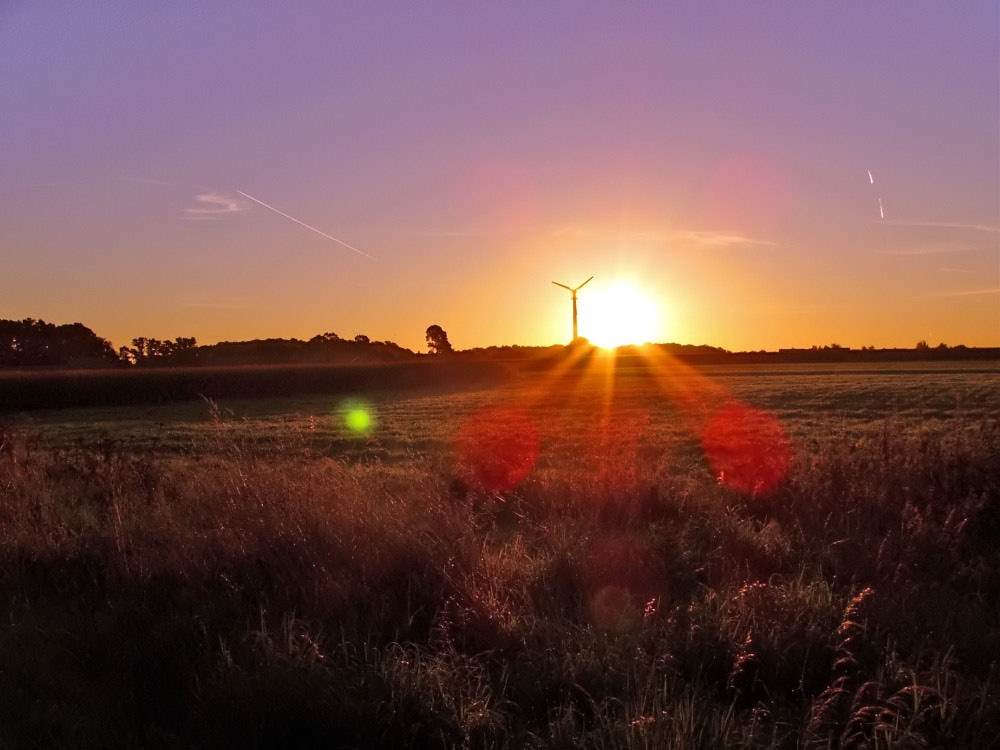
x,y
749,192
747,448
497,446
624,581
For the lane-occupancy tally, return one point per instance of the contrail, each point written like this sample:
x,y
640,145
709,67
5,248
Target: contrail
x,y
881,211
329,237
870,178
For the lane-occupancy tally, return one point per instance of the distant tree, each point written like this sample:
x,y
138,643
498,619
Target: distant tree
x,y
362,339
160,350
35,342
922,344
184,350
181,351
942,345
437,340
324,337
140,350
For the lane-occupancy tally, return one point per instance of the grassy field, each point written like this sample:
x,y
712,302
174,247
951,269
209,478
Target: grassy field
x,y
662,556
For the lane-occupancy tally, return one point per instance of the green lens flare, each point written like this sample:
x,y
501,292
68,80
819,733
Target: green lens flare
x,y
359,420
358,416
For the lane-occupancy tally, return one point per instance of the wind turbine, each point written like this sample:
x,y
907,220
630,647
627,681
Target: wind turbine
x,y
573,292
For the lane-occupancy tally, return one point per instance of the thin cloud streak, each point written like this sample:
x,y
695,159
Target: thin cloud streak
x,y
314,229
906,252
945,225
707,238
215,204
722,239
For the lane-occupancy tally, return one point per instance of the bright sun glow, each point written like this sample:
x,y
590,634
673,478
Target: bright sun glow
x,y
618,315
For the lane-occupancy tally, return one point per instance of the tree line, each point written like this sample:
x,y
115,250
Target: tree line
x,y
35,343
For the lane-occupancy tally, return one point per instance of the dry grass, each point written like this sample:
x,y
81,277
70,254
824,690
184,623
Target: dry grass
x,y
620,596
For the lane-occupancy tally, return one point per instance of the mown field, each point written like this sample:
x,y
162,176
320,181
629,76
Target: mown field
x,y
659,556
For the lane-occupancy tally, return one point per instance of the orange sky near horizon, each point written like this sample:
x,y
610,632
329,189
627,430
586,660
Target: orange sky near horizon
x,y
740,297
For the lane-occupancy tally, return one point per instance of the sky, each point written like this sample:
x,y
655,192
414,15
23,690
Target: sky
x,y
724,161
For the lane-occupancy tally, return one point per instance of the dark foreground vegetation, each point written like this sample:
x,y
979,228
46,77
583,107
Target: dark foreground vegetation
x,y
28,389
257,597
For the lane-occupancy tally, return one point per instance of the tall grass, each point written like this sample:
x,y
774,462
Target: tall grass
x,y
253,598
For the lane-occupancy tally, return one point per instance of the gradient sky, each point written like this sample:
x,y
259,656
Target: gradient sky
x,y
716,155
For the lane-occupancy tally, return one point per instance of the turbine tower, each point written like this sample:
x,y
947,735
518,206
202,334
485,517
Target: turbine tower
x,y
573,291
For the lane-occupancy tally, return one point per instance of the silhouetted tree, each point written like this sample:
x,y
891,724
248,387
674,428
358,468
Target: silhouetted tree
x,y
437,340
181,351
184,350
139,351
922,344
324,338
362,339
35,342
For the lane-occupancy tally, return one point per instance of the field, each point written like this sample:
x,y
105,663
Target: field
x,y
643,556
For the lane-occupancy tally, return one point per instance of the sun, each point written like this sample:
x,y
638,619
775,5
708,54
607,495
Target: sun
x,y
618,315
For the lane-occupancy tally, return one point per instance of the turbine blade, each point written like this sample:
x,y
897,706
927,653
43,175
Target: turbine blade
x,y
563,285
584,284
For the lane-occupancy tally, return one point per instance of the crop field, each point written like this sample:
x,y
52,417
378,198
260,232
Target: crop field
x,y
633,556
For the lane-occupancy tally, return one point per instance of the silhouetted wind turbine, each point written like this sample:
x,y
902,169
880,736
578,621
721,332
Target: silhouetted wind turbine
x,y
573,292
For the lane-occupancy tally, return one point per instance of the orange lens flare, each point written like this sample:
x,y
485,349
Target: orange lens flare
x,y
497,447
747,448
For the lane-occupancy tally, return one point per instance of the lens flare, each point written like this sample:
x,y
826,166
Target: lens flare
x,y
751,192
747,448
357,416
497,447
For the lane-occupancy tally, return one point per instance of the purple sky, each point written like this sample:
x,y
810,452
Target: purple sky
x,y
713,154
